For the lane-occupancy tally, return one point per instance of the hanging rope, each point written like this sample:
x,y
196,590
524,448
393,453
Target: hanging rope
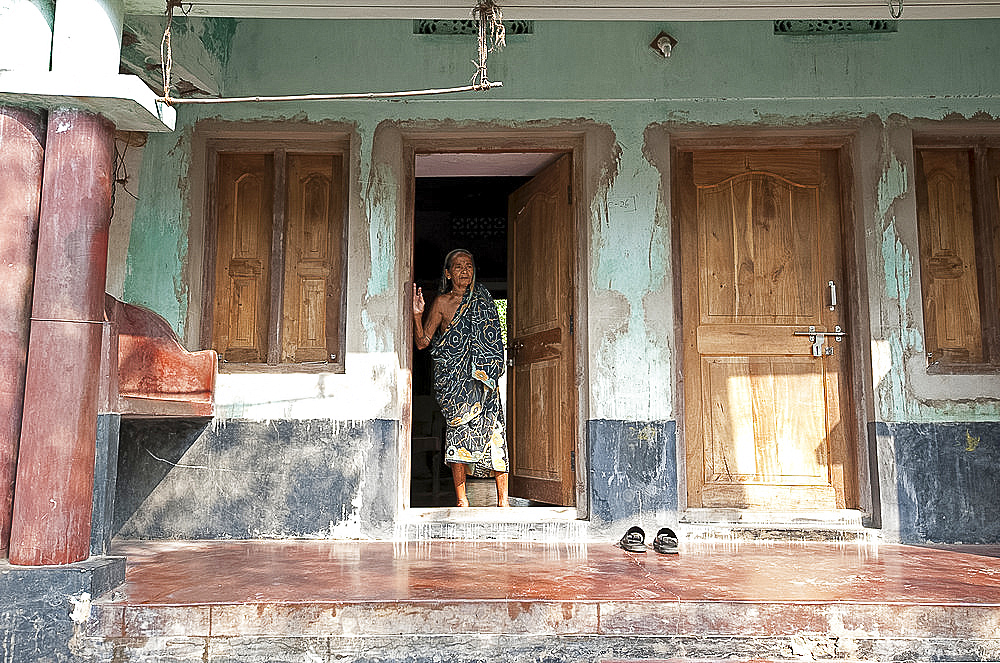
x,y
166,50
490,19
491,29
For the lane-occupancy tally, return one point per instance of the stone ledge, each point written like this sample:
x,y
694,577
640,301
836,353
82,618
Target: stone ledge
x,y
34,584
122,98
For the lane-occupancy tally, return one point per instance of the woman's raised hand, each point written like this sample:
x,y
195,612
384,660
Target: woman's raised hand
x,y
418,300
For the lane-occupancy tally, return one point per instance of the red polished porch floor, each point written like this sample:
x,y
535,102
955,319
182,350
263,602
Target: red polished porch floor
x,y
320,588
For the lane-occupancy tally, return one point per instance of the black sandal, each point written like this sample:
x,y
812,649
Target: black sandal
x,y
665,542
634,540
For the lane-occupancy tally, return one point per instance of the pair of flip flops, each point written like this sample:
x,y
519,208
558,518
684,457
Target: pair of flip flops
x,y
665,541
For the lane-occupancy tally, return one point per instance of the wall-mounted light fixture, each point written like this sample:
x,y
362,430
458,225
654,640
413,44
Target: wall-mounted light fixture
x,y
663,44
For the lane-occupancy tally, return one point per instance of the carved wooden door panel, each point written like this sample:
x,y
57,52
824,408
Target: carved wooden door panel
x,y
311,311
245,187
541,400
948,274
766,416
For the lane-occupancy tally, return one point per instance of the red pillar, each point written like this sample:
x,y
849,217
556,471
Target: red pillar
x,y
55,467
22,142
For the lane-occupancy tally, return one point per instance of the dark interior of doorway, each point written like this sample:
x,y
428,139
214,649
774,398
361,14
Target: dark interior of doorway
x,y
449,213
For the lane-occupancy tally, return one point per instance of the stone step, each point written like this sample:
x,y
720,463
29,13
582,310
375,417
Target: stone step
x,y
521,648
518,631
755,525
433,601
540,524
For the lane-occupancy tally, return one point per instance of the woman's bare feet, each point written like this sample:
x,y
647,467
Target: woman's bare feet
x,y
502,500
458,474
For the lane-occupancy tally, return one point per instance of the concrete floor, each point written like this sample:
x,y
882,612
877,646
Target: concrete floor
x,y
414,601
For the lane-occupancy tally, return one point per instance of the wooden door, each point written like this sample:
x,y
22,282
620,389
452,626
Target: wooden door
x,y
243,260
948,275
541,399
766,421
311,317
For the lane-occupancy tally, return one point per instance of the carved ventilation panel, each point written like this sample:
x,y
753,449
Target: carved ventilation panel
x,y
467,27
831,27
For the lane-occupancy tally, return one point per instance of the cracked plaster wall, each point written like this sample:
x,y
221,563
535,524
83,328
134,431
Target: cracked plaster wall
x,y
601,74
904,390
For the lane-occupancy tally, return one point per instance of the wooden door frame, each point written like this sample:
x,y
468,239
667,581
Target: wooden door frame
x,y
852,237
484,141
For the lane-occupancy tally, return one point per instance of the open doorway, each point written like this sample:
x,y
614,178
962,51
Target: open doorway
x,y
499,207
454,212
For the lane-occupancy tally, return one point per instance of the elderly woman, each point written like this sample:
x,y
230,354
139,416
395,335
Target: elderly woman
x,y
463,331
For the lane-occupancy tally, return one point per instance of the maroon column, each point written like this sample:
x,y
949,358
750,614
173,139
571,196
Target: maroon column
x,y
55,467
22,142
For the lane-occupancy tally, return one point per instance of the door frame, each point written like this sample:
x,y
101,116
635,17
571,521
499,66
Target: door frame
x,y
844,140
485,141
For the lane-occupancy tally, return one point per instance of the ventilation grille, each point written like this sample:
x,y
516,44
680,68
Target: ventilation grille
x,y
479,226
467,27
834,27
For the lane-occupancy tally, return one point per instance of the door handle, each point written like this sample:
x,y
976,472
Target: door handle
x,y
833,294
512,352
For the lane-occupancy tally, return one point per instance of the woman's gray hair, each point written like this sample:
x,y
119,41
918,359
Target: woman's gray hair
x,y
445,285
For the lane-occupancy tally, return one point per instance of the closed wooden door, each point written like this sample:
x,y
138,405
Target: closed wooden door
x,y
279,264
541,400
243,278
766,415
311,315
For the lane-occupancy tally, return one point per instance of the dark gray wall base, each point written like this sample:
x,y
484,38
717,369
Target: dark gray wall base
x,y
947,480
633,471
37,604
239,479
105,477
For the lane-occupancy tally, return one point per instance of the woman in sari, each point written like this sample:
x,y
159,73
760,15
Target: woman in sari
x,y
463,332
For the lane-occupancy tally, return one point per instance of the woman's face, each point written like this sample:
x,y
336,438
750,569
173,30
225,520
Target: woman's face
x,y
461,271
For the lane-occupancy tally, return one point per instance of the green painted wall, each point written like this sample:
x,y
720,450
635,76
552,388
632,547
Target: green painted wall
x,y
601,74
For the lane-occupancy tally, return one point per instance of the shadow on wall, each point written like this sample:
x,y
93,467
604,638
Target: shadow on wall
x,y
242,479
148,450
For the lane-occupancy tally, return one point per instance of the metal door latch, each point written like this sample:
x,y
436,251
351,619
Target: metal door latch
x,y
818,339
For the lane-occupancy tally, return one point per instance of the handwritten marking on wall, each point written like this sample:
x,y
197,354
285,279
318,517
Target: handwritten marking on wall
x,y
971,442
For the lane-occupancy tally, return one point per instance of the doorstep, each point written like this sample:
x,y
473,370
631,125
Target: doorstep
x,y
530,523
724,524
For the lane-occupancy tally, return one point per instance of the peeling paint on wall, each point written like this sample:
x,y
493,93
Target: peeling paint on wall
x,y
553,74
897,264
158,243
891,186
630,268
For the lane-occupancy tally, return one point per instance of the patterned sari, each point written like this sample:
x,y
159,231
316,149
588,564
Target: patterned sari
x,y
468,361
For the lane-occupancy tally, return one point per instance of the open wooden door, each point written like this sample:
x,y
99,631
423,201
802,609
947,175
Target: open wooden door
x,y
767,413
541,400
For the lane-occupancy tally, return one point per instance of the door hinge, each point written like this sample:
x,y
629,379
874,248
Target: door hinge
x,y
572,460
569,194
570,324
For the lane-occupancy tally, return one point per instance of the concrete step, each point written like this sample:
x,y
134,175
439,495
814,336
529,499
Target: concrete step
x,y
756,525
527,648
539,524
436,601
